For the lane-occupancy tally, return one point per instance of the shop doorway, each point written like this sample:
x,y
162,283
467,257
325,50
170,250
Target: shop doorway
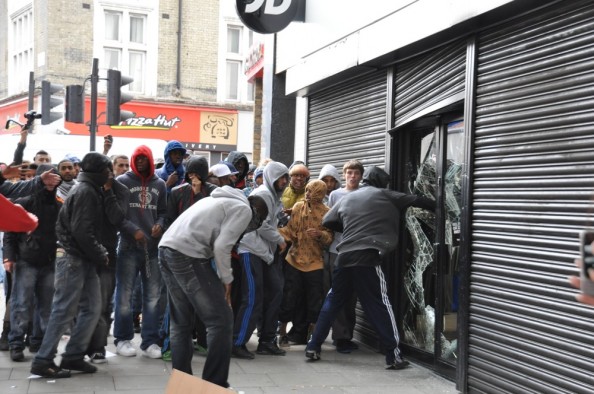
x,y
429,162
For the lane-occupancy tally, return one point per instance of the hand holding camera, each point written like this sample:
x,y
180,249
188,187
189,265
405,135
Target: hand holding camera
x,y
585,281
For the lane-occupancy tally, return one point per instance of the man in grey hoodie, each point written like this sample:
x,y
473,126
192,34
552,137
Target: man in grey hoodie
x,y
369,219
207,230
262,276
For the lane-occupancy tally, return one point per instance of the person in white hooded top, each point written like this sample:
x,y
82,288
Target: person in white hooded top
x,y
207,230
330,176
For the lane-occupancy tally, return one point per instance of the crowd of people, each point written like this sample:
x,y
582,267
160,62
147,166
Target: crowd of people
x,y
214,252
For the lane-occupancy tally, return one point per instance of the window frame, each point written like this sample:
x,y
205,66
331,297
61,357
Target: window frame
x,y
20,51
145,80
244,92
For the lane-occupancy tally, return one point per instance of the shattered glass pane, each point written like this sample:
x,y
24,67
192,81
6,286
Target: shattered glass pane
x,y
419,278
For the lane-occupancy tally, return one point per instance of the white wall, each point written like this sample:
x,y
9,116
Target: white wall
x,y
245,133
322,46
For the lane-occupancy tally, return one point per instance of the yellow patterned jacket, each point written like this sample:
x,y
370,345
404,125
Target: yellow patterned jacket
x,y
306,252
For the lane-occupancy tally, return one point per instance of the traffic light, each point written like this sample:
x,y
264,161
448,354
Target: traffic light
x,y
75,104
115,97
48,102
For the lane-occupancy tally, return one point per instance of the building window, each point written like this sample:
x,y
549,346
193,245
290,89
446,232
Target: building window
x,y
124,46
20,50
239,39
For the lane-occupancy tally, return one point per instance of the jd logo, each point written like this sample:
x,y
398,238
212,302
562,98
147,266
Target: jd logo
x,y
270,9
267,16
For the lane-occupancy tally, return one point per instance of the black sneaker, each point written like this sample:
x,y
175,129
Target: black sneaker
x,y
16,354
78,365
242,352
34,347
399,363
296,340
312,355
49,370
345,346
4,338
270,348
283,341
98,358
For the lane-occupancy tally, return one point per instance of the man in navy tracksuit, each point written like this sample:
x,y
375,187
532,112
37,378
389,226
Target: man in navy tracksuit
x,y
368,219
261,272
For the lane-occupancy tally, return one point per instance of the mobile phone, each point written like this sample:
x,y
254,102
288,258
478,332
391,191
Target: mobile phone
x,y
109,137
586,238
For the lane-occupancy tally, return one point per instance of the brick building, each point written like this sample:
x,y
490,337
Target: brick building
x,y
187,62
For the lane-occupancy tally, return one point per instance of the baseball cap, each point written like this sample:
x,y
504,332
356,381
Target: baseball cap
x,y
70,157
220,170
231,167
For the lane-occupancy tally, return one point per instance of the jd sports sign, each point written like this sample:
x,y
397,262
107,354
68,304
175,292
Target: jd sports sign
x,y
267,16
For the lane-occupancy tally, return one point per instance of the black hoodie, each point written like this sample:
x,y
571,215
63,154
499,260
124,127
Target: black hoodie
x,y
235,157
182,196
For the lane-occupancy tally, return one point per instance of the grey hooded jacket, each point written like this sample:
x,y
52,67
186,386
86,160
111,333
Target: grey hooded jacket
x,y
264,241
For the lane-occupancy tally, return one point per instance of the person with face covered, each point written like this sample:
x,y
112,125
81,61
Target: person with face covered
x,y
207,230
77,291
242,166
369,219
261,272
116,198
173,171
304,273
193,190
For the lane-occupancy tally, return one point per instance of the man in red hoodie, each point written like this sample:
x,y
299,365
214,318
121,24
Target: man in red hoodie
x,y
139,236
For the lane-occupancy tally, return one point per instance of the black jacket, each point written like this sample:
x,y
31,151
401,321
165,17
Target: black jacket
x,y
80,221
182,197
39,247
116,201
234,158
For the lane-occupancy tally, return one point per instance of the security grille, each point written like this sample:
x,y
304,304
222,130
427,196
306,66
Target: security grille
x,y
532,194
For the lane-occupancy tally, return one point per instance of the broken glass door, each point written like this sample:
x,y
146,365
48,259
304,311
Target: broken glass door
x,y
433,160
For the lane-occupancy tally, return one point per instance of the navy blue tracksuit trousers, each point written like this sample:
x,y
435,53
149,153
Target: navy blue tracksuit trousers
x,y
369,283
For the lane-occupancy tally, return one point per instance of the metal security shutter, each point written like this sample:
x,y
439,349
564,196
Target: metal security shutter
x,y
532,193
348,122
428,80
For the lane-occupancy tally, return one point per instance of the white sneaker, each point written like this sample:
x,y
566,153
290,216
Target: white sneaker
x,y
126,349
153,351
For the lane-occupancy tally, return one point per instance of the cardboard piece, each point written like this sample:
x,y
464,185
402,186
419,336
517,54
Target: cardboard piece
x,y
183,383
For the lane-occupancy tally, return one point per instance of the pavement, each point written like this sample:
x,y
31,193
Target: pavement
x,y
360,372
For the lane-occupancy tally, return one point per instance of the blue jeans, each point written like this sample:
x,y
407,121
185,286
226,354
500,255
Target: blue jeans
x,y
32,291
194,287
77,295
369,284
131,261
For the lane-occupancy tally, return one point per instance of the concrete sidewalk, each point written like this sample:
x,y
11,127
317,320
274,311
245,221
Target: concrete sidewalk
x,y
360,372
